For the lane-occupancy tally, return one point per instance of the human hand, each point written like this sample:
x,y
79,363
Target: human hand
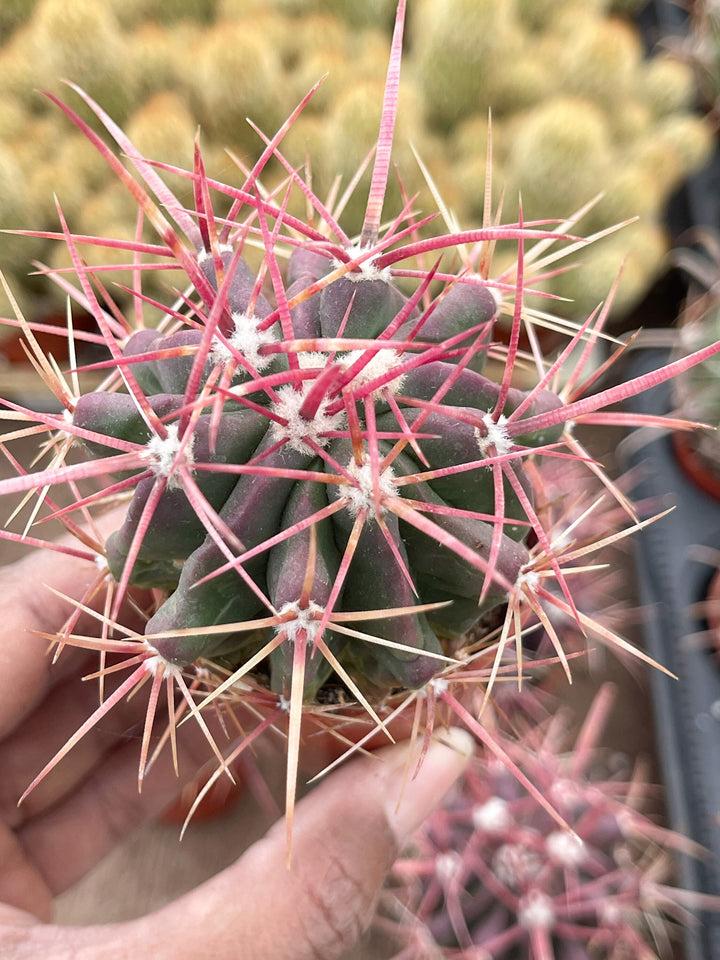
x,y
346,833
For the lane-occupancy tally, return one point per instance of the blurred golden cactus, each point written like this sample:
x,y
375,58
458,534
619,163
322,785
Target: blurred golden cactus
x,y
577,110
84,42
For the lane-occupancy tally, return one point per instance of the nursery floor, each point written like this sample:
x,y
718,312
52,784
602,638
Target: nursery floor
x,y
161,868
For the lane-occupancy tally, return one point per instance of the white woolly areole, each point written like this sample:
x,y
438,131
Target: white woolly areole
x,y
495,292
382,363
308,359
306,618
515,865
565,848
297,430
447,865
245,339
496,436
610,913
365,270
162,453
158,662
204,254
439,685
493,816
536,910
567,793
361,497
529,579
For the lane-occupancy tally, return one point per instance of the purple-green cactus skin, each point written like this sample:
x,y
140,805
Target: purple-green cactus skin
x,y
300,435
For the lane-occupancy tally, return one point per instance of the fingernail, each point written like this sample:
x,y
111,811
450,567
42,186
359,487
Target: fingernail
x,y
410,799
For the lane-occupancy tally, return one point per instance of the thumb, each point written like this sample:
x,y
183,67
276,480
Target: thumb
x,y
346,835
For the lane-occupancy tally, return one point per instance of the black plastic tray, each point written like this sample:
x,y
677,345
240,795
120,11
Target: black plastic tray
x,y
687,710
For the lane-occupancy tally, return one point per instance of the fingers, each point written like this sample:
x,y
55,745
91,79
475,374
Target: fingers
x,y
347,833
25,751
29,607
26,605
22,885
68,837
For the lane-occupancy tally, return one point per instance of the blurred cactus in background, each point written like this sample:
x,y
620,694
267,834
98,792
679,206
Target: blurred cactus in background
x,y
577,110
700,47
577,512
490,875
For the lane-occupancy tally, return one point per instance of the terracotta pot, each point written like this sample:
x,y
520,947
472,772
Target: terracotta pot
x,y
699,468
11,346
220,798
320,747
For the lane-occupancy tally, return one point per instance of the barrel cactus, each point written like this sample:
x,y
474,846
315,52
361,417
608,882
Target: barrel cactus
x,y
490,875
321,450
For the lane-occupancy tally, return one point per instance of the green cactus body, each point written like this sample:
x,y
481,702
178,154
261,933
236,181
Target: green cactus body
x,y
289,566
252,512
444,577
118,416
175,529
382,666
249,456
